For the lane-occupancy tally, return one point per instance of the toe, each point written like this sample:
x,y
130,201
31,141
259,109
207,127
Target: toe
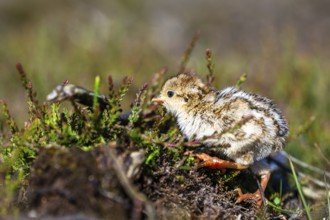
x,y
249,197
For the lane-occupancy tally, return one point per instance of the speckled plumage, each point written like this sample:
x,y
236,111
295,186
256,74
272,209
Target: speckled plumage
x,y
212,116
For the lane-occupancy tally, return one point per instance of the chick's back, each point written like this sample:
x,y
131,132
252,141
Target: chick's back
x,y
251,125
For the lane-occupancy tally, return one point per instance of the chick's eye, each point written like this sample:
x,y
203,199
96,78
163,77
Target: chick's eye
x,y
170,94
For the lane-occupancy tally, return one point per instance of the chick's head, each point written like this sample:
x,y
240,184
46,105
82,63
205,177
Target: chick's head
x,y
180,92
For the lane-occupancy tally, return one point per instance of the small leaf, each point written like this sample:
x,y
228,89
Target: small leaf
x,y
277,201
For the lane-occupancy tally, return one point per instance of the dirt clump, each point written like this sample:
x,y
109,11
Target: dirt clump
x,y
67,181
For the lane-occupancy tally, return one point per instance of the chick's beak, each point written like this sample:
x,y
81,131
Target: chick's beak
x,y
158,100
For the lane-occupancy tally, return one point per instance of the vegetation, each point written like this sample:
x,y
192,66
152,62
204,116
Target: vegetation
x,y
99,128
48,149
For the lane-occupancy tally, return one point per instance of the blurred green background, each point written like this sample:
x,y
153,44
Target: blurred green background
x,y
283,46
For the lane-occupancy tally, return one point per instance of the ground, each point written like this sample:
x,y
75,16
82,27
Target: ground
x,y
69,182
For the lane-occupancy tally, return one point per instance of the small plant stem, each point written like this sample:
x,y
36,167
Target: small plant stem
x,y
10,121
280,209
241,80
210,66
300,191
187,53
96,93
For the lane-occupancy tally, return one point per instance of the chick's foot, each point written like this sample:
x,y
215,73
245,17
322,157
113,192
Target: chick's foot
x,y
253,197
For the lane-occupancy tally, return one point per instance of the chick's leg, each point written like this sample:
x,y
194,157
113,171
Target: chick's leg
x,y
217,163
264,174
260,168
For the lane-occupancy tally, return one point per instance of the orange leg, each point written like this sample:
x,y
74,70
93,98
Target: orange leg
x,y
217,163
257,195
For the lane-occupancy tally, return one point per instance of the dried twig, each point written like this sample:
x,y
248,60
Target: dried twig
x,y
300,174
306,165
134,194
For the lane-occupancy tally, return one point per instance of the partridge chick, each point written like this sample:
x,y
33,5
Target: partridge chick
x,y
246,126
